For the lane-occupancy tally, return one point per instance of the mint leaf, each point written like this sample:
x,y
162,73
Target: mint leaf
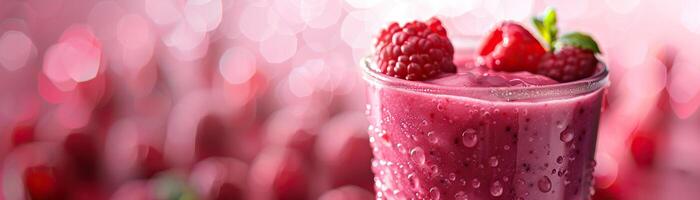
x,y
546,25
539,24
578,39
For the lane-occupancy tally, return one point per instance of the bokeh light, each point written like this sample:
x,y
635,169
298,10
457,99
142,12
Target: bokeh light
x,y
15,50
249,99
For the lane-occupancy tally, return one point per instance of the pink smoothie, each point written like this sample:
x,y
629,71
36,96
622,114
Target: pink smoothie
x,y
482,135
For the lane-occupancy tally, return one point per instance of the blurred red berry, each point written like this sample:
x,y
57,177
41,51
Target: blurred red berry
x,y
219,178
211,138
344,151
643,149
228,191
295,138
150,161
91,191
612,192
83,152
279,173
43,182
22,134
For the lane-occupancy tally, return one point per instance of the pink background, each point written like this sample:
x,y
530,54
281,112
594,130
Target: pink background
x,y
265,95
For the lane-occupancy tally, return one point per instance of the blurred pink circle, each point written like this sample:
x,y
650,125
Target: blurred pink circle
x,y
255,23
133,31
183,37
162,12
237,65
76,57
278,48
15,50
321,13
103,17
203,15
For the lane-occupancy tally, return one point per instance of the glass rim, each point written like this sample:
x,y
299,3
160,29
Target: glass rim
x,y
584,86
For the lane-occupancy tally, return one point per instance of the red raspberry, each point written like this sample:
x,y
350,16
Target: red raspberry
x,y
416,51
510,47
568,64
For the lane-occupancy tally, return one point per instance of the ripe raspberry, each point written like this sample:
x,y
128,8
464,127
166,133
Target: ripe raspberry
x,y
510,47
568,64
574,53
416,51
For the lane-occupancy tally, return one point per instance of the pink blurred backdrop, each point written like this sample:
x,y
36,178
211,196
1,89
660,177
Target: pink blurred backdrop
x,y
262,99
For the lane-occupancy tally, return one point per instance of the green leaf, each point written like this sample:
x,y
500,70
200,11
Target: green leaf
x,y
578,39
546,25
539,24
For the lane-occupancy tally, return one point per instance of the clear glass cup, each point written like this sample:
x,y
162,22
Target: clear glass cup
x,y
445,142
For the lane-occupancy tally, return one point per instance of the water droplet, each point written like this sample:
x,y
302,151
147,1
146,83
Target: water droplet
x,y
414,181
425,123
572,155
441,107
461,195
452,176
414,137
368,109
476,183
435,193
567,135
560,159
496,189
506,147
432,137
544,184
418,155
469,138
435,170
384,137
401,148
493,161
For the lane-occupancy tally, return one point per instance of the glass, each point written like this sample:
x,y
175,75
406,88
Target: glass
x,y
444,142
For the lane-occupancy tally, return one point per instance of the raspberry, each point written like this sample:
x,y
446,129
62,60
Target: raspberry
x,y
510,47
416,51
568,64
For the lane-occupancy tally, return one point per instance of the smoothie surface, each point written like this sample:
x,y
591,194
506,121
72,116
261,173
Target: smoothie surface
x,y
469,75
